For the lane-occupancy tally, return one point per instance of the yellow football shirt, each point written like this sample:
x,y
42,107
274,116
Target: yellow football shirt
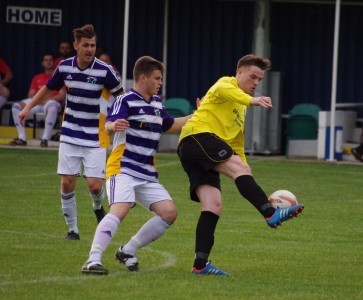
x,y
222,112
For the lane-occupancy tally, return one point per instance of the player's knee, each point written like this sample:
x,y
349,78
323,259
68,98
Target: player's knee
x,y
168,212
16,106
95,190
51,109
215,207
120,210
51,106
67,184
95,185
211,202
172,215
235,167
245,169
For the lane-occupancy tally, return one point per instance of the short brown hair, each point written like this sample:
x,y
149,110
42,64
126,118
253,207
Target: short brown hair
x,y
87,31
254,60
146,65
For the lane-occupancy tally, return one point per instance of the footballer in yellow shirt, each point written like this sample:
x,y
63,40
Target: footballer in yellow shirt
x,y
222,112
212,142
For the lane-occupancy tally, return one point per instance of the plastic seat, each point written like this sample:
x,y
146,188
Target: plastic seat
x,y
178,107
302,125
303,122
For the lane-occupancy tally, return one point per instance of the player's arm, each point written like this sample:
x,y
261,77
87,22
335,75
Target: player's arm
x,y
114,84
198,101
42,94
228,91
262,101
60,97
31,93
118,125
178,124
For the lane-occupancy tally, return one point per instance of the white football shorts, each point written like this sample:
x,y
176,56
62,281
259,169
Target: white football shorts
x,y
122,188
72,157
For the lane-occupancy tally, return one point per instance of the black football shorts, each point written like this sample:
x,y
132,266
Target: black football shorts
x,y
198,155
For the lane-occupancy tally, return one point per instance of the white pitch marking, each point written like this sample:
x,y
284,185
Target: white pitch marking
x,y
169,260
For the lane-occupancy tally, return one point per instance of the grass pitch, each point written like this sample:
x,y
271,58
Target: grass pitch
x,y
316,256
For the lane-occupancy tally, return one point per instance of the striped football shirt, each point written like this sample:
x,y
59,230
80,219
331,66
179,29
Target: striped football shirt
x,y
83,123
134,150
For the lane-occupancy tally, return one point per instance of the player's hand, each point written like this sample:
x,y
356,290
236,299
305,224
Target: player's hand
x,y
120,125
262,101
23,115
199,101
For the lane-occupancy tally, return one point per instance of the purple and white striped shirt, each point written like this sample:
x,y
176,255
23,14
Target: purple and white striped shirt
x,y
134,150
81,124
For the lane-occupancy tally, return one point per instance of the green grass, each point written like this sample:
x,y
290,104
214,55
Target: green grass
x,y
316,256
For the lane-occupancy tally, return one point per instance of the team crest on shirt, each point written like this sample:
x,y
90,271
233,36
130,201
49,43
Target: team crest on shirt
x,y
157,112
91,79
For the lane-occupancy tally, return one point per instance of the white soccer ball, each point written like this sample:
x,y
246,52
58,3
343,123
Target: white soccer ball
x,y
282,199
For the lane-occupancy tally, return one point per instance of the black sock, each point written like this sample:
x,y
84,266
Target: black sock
x,y
204,238
200,260
250,190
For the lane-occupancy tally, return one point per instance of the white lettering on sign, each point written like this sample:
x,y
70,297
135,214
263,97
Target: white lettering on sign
x,y
33,15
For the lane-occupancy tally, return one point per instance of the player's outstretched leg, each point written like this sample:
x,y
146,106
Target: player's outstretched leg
x,y
130,261
94,268
284,214
209,270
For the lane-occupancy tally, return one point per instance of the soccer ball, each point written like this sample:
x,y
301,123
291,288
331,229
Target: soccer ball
x,y
282,199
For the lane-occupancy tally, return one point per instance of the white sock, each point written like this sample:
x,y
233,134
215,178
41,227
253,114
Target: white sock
x,y
16,109
50,119
98,199
149,232
105,231
69,208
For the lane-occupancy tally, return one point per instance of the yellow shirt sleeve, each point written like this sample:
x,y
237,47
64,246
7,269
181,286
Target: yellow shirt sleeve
x,y
224,91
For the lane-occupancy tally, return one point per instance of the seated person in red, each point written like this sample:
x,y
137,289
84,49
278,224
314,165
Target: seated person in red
x,y
51,106
6,75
